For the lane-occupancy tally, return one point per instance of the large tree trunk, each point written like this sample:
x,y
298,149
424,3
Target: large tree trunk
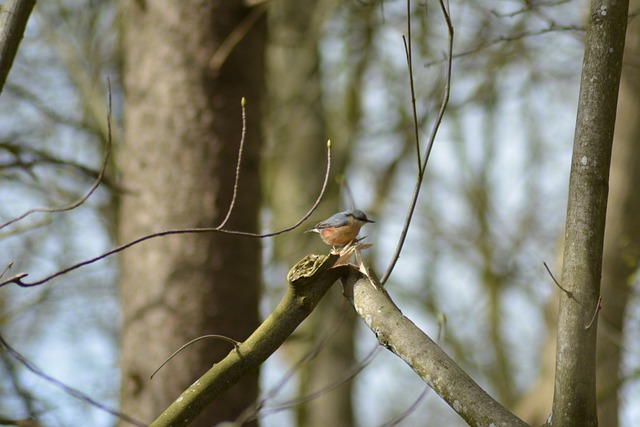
x,y
182,127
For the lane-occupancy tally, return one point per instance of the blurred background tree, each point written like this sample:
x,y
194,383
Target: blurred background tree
x,y
490,214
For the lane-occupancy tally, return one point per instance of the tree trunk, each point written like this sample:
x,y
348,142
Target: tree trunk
x,y
622,236
574,402
14,15
182,128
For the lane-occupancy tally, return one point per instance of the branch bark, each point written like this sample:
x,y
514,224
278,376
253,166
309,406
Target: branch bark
x,y
575,393
14,15
309,280
400,336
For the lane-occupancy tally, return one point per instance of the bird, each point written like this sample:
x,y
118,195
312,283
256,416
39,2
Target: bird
x,y
341,228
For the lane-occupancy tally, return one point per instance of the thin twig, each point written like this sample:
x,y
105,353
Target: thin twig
x,y
69,390
447,84
349,194
93,188
235,37
503,39
352,372
595,313
432,137
408,52
20,390
25,228
37,157
569,294
404,414
9,265
254,411
529,8
240,150
17,279
442,328
195,340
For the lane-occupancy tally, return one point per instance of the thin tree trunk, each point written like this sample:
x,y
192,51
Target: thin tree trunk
x,y
575,384
622,236
182,127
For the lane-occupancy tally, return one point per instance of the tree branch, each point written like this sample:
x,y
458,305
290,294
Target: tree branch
x,y
92,189
402,337
574,402
432,136
309,280
17,279
69,390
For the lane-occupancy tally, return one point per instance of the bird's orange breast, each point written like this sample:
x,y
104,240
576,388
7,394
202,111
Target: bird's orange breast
x,y
339,235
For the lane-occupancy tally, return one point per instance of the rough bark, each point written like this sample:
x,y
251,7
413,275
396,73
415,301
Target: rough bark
x,y
575,386
182,127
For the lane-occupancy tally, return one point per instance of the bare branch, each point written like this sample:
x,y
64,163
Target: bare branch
x,y
346,376
401,336
226,47
69,390
240,150
9,265
569,294
529,7
18,389
193,341
409,54
26,158
17,279
404,414
595,313
309,280
269,394
88,194
553,27
260,409
422,167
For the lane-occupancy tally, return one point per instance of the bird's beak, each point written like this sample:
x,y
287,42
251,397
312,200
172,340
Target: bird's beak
x,y
369,220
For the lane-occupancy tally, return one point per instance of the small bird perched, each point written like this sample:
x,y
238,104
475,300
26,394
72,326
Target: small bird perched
x,y
341,228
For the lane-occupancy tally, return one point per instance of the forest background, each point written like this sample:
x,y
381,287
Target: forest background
x,y
491,211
